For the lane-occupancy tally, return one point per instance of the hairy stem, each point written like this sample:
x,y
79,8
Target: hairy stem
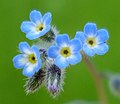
x,y
97,78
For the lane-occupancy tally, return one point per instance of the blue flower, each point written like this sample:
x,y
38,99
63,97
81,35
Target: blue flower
x,y
93,40
65,51
29,59
37,26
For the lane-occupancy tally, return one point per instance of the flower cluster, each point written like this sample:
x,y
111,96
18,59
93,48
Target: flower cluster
x,y
45,62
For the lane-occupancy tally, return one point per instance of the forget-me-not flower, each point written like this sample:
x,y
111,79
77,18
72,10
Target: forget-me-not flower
x,y
29,59
66,51
94,41
37,26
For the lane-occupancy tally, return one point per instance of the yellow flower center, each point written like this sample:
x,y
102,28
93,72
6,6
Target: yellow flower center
x,y
39,27
91,41
65,52
32,58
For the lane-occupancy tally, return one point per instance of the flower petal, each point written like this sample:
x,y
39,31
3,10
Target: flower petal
x,y
38,65
62,40
102,36
90,29
75,58
36,52
75,45
89,51
47,18
53,52
101,49
35,16
29,70
27,26
61,62
25,48
81,36
19,61
37,55
45,30
34,35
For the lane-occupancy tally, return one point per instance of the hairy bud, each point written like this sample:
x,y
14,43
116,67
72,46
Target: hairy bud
x,y
35,82
55,77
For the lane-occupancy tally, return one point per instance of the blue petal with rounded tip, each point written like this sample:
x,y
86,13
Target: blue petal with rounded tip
x,y
81,36
88,50
90,29
61,62
35,16
17,60
75,58
27,26
23,46
101,49
47,18
62,39
75,45
35,35
102,35
28,71
53,52
32,35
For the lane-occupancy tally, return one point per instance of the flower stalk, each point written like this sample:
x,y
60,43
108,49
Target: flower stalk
x,y
97,78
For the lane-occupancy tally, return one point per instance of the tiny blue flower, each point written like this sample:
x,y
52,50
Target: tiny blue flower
x,y
37,26
65,51
93,40
29,59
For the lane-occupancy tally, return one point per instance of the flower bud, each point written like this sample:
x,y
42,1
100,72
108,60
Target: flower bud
x,y
35,82
55,77
53,88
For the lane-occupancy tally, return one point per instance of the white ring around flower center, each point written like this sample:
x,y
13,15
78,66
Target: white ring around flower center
x,y
40,27
32,58
91,41
65,52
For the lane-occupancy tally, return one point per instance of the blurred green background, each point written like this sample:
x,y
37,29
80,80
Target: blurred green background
x,y
69,16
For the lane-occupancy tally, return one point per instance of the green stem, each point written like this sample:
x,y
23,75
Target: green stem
x,y
97,78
